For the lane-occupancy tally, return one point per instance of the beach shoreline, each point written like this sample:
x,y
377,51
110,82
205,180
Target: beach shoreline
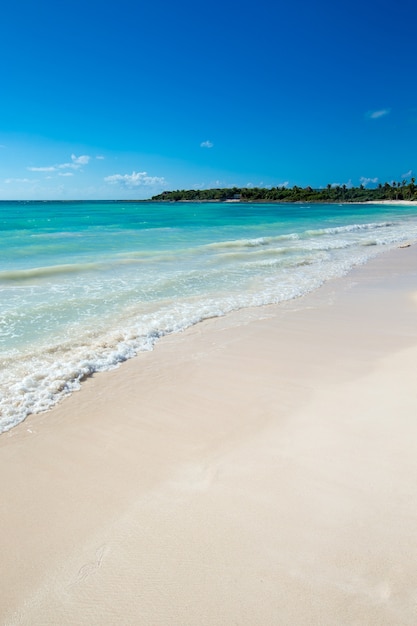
x,y
392,202
257,468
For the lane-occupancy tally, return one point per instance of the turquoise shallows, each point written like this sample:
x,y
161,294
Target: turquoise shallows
x,y
86,285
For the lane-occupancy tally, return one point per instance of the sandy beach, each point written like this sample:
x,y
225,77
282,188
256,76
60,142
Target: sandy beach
x,y
393,202
256,469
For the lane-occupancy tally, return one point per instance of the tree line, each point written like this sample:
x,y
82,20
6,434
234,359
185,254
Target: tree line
x,y
401,190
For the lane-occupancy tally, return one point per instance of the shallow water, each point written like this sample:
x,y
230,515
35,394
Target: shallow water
x,y
86,285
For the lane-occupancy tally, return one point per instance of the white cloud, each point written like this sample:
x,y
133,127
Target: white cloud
x,y
81,160
365,180
206,144
18,180
75,164
135,179
348,184
66,174
374,115
50,168
407,174
100,157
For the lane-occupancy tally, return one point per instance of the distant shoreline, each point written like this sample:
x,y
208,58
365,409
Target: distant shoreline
x,y
388,202
215,201
401,190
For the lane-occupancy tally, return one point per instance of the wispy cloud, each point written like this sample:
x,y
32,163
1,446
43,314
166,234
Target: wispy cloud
x,y
66,174
9,181
366,181
407,174
75,164
78,161
348,184
135,179
206,144
374,115
100,157
49,168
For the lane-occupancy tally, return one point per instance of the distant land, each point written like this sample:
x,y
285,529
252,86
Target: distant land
x,y
402,190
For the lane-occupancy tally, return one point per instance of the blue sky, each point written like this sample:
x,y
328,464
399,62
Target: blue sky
x,y
122,100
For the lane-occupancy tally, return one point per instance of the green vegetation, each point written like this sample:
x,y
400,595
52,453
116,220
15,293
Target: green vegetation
x,y
332,193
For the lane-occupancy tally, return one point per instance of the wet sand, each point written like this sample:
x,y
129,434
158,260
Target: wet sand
x,y
258,469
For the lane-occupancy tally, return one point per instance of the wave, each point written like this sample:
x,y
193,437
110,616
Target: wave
x,y
44,272
347,229
267,241
250,243
284,263
244,254
33,273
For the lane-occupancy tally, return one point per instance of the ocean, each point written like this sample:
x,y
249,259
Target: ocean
x,y
86,285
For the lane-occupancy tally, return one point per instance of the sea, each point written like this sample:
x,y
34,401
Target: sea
x,y
85,286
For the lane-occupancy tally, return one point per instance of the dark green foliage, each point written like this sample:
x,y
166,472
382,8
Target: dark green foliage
x,y
395,191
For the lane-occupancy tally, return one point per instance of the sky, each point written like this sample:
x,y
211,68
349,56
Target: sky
x,y
122,100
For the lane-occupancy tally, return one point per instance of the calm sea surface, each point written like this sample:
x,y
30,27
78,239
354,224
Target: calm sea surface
x,y
86,285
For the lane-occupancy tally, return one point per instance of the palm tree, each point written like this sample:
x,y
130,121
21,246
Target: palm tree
x,y
329,190
411,187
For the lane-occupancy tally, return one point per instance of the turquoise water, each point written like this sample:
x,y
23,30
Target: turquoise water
x,y
87,285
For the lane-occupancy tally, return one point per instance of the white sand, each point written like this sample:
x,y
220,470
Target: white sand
x,y
259,469
392,202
